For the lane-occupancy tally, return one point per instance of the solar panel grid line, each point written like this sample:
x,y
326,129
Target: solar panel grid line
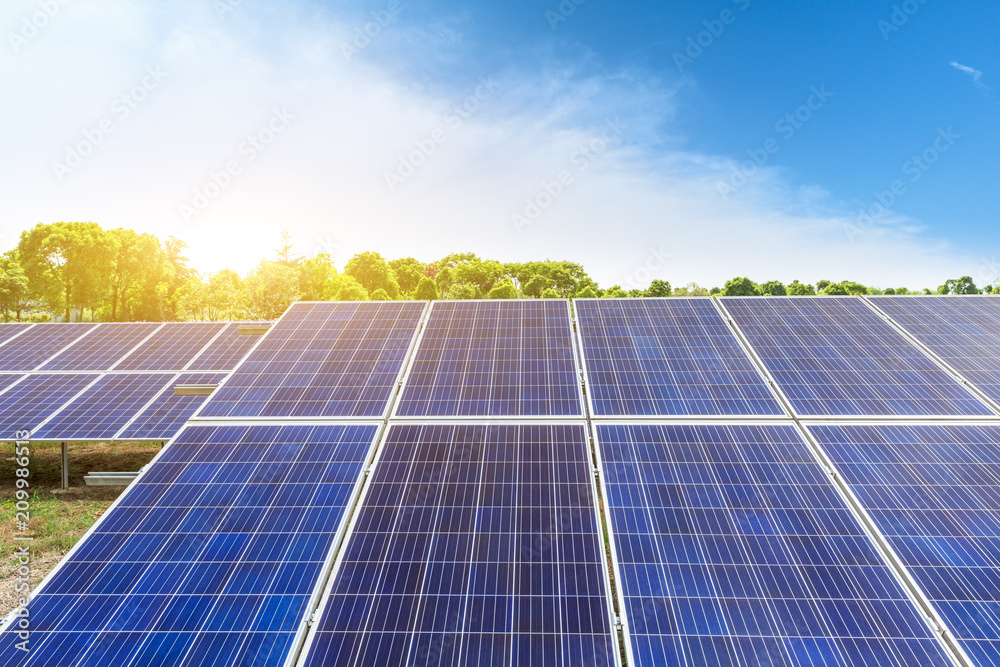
x,y
834,357
8,626
28,362
455,320
137,346
166,413
992,401
216,358
169,347
168,388
418,494
648,658
101,348
81,392
735,384
7,334
208,345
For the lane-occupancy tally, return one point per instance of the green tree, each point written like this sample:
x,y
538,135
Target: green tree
x,y
461,291
741,287
550,294
192,299
659,288
795,288
845,287
773,288
408,272
503,290
482,274
444,280
316,276
352,291
691,289
14,293
286,253
373,272
379,295
614,292
536,286
138,277
587,292
456,258
963,285
272,288
821,285
227,298
426,290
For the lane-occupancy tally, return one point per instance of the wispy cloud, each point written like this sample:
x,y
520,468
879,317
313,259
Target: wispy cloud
x,y
975,74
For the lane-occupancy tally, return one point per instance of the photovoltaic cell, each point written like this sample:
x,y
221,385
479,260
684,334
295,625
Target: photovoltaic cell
x,y
103,348
171,347
103,409
473,545
33,400
333,359
209,558
734,548
10,329
660,357
963,331
225,352
168,413
934,492
494,358
836,356
28,352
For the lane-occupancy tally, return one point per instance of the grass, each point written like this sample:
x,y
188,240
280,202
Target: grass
x,y
58,518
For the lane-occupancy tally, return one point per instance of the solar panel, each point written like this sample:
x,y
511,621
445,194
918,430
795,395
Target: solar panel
x,y
934,492
211,557
103,348
494,358
9,330
732,547
963,331
225,352
171,348
472,545
168,412
26,353
661,357
323,360
30,402
834,356
103,409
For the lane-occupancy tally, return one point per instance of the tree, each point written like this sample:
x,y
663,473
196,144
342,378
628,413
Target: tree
x,y
741,287
614,292
461,291
408,272
14,292
843,288
795,288
192,299
536,286
379,295
691,289
963,285
139,276
227,298
715,290
373,272
773,288
503,290
272,288
444,280
456,258
482,274
659,288
284,253
316,277
550,294
426,290
821,285
587,292
352,291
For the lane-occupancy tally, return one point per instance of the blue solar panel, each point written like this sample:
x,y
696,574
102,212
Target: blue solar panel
x,y
171,348
9,330
963,331
103,348
103,409
473,545
323,360
934,492
209,558
168,412
494,358
225,352
28,352
33,400
734,548
660,357
836,356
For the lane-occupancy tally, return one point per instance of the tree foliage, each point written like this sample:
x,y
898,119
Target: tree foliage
x,y
741,287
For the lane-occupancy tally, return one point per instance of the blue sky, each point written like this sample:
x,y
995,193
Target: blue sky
x,y
644,140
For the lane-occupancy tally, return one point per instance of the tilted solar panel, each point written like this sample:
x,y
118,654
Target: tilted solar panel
x,y
473,545
225,352
171,348
494,358
168,412
9,330
211,557
963,331
28,352
934,492
733,547
662,357
30,402
834,356
333,359
103,348
104,408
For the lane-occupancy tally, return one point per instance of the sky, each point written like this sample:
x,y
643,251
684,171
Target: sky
x,y
684,141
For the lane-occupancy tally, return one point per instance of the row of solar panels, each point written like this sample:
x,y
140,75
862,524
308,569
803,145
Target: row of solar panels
x,y
480,544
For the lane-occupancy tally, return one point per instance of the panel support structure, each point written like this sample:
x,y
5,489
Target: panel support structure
x,y
65,465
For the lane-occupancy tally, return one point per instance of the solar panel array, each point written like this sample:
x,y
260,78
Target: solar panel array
x,y
102,348
767,495
31,349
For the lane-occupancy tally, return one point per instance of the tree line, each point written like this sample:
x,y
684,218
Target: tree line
x,y
68,269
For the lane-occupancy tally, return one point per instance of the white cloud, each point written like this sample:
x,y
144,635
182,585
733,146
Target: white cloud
x,y
975,74
324,176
